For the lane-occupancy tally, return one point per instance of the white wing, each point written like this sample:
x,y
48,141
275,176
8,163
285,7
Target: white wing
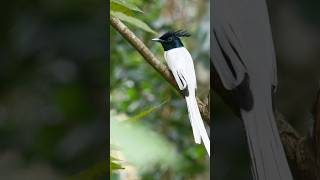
x,y
181,81
190,69
180,63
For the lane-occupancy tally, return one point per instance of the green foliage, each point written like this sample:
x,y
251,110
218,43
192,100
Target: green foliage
x,y
137,90
126,11
141,146
114,165
148,111
124,6
132,135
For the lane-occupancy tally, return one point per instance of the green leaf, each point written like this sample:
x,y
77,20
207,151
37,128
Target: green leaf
x,y
148,111
115,166
123,6
118,8
132,20
113,159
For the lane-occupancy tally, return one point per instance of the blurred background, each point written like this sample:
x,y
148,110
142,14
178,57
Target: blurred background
x,y
151,112
52,91
296,35
53,88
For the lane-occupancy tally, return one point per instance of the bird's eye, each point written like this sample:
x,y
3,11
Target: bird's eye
x,y
170,39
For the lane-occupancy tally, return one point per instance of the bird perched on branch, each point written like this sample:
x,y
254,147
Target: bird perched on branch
x,y
244,59
181,65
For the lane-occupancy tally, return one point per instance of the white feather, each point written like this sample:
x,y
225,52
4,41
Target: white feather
x,y
195,129
180,63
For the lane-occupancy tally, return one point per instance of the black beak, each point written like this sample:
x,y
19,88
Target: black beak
x,y
157,40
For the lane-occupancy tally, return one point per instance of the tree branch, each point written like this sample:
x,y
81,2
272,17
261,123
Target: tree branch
x,y
153,61
299,149
303,152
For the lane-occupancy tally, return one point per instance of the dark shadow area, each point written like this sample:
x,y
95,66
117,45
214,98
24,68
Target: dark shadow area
x,y
53,88
295,28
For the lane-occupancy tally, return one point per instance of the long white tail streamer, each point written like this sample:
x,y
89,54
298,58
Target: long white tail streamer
x,y
197,124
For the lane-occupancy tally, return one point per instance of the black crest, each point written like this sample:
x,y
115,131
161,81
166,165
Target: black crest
x,y
171,39
181,33
178,33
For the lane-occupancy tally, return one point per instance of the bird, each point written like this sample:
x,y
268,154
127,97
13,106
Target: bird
x,y
181,66
244,60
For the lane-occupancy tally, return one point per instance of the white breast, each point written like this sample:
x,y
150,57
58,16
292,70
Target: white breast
x,y
179,59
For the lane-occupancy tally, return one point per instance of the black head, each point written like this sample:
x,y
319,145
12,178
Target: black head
x,y
171,39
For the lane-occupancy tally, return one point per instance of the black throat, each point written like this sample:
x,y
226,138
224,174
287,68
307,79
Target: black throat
x,y
176,43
